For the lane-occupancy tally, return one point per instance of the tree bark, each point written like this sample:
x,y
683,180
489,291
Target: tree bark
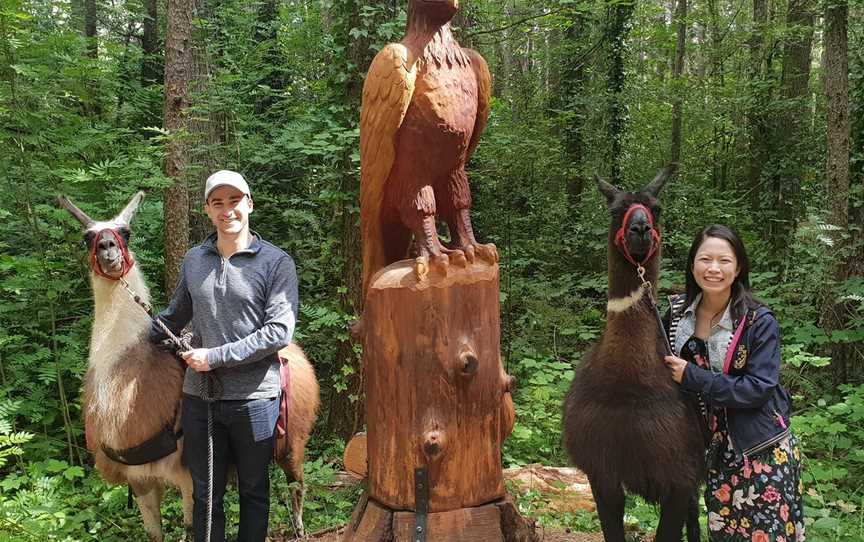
x,y
756,122
617,27
438,396
347,411
834,314
677,73
569,96
790,148
178,74
90,28
150,45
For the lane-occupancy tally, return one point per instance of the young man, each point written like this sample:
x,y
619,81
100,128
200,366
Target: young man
x,y
240,294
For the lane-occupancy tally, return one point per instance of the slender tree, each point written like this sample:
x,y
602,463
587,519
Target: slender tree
x,y
677,73
757,122
837,163
90,28
150,44
569,95
178,74
346,415
790,147
618,18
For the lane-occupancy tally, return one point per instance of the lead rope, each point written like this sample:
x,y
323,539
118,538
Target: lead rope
x,y
207,395
649,292
206,388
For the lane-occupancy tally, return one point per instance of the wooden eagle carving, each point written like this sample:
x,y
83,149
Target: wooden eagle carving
x,y
425,106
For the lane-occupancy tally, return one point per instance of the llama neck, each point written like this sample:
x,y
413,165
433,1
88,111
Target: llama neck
x,y
118,321
625,286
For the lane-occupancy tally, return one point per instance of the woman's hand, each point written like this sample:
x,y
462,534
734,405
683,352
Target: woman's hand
x,y
676,366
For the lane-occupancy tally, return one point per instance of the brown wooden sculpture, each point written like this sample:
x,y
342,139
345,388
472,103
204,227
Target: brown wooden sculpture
x,y
425,106
438,400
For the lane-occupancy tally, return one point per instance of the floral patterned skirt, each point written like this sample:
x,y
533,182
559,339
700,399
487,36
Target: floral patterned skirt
x,y
758,499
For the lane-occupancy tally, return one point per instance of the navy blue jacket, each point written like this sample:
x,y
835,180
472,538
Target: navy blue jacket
x,y
757,407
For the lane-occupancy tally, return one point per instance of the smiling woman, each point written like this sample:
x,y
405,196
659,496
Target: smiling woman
x,y
728,351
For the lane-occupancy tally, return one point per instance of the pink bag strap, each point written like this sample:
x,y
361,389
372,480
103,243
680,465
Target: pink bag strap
x,y
733,345
285,399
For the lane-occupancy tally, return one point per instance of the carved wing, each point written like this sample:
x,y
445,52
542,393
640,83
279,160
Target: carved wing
x,y
387,93
484,95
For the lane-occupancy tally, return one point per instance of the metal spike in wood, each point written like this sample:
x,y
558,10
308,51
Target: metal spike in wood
x,y
82,217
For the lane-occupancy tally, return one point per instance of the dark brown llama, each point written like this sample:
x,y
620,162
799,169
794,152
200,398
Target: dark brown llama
x,y
625,421
132,390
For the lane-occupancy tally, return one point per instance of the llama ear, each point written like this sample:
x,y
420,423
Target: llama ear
x,y
606,189
654,187
82,217
128,212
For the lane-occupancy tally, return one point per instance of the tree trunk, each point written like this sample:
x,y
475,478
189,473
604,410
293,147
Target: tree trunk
x,y
178,75
834,314
90,28
346,415
436,386
150,45
756,121
791,142
569,96
617,27
677,72
438,396
720,157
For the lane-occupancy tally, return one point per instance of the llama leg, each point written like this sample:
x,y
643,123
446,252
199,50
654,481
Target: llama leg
x,y
298,493
184,483
693,534
292,464
610,509
674,511
148,495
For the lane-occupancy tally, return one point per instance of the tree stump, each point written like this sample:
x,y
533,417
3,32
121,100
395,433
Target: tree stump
x,y
438,408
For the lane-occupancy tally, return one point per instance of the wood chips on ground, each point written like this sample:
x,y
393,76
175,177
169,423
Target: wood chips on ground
x,y
544,535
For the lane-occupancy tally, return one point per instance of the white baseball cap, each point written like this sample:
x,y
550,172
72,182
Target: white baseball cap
x,y
225,177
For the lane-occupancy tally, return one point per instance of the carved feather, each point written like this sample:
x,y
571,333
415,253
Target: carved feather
x,y
387,93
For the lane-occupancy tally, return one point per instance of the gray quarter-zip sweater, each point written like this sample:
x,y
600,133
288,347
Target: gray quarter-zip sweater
x,y
242,308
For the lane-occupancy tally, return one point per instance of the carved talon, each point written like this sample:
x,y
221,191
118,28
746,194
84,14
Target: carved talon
x,y
421,267
439,263
488,253
457,258
469,253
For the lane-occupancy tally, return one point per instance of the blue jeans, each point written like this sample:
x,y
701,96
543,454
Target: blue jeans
x,y
243,434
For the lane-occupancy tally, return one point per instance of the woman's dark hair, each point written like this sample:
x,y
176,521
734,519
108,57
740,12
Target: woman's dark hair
x,y
742,298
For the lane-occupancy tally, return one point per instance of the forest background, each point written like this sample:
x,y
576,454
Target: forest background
x,y
760,101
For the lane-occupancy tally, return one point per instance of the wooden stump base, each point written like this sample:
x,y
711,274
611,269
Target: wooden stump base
x,y
498,521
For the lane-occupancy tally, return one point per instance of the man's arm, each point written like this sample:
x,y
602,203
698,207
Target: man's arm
x,y
178,313
278,328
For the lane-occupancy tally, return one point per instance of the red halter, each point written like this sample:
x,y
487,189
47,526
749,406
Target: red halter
x,y
128,261
621,239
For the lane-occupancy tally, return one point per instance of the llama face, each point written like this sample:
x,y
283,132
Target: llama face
x,y
635,216
642,215
107,242
108,245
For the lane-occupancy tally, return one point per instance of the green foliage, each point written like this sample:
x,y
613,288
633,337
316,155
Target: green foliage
x,y
831,431
281,94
